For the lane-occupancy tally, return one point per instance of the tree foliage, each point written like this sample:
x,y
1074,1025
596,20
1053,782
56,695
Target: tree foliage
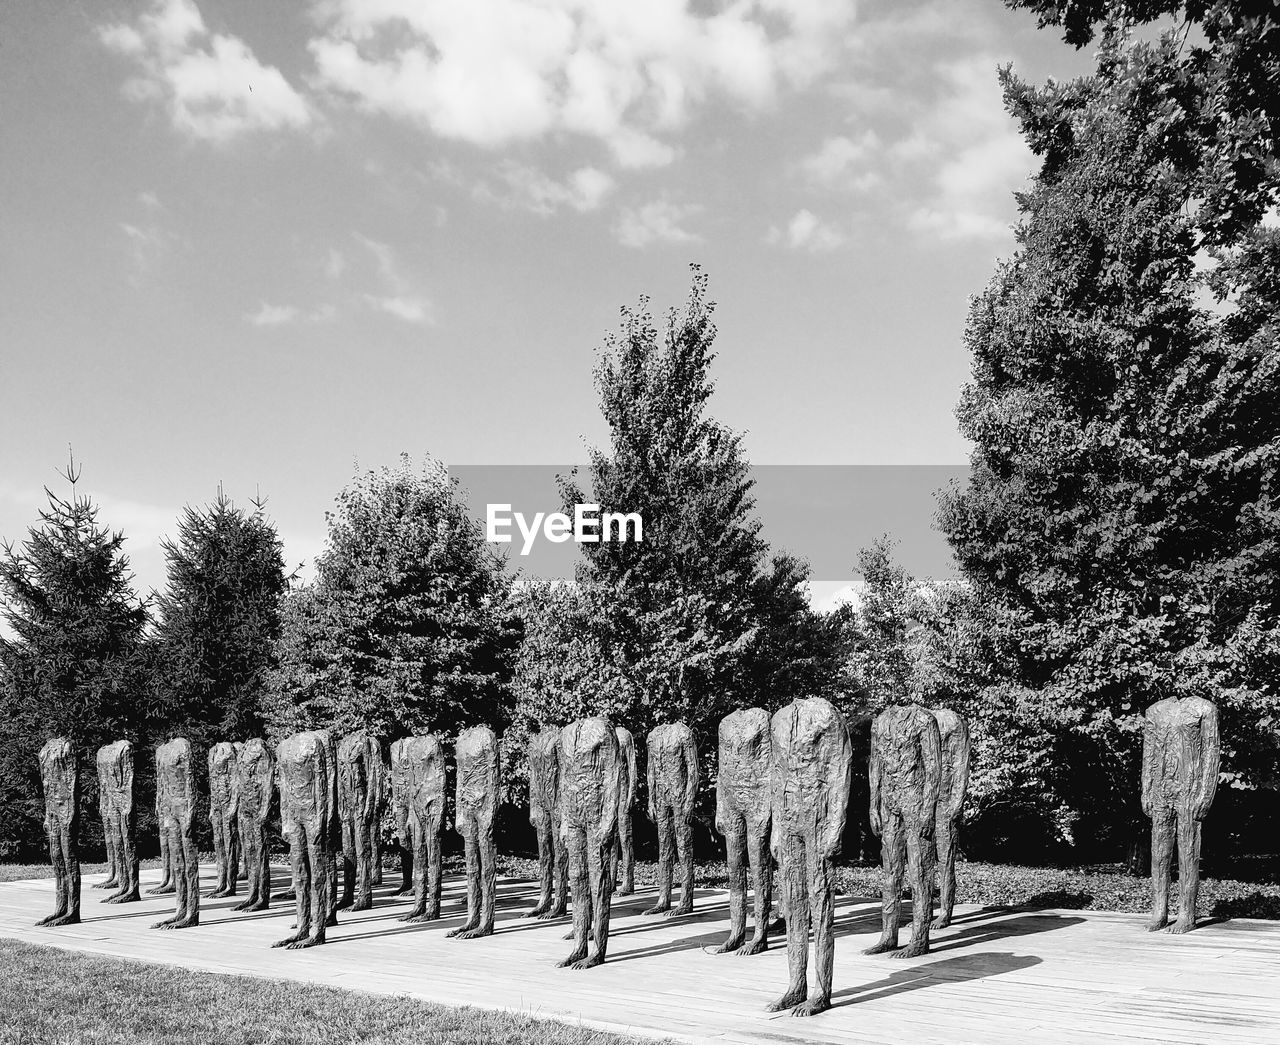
x,y
70,665
1119,527
407,626
219,619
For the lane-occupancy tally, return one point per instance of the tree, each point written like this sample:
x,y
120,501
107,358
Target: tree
x,y
696,619
407,626
1119,527
70,665
219,619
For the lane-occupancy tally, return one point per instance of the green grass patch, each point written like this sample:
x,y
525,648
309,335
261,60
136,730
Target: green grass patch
x,y
49,995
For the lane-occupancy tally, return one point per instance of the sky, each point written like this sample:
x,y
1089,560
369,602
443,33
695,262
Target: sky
x,y
265,246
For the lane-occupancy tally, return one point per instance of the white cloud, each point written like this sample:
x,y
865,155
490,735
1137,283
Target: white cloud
x,y
269,315
844,163
658,222
335,264
211,84
408,309
491,72
528,188
149,241
805,231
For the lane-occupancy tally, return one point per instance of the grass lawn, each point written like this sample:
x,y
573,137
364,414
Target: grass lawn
x,y
54,996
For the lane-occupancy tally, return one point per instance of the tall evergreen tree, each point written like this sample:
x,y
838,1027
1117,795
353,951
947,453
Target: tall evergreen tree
x,y
71,664
407,626
696,619
219,619
1121,521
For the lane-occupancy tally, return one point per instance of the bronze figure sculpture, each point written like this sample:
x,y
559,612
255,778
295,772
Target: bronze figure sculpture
x,y
904,773
809,795
418,795
743,817
624,850
115,774
306,820
953,784
359,785
166,885
60,779
543,756
175,769
255,783
476,755
401,784
590,790
1180,754
380,803
673,786
112,881
224,795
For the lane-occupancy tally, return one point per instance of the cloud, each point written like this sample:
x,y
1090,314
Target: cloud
x,y
806,231
149,241
269,315
658,222
335,264
212,86
841,162
626,75
409,309
527,188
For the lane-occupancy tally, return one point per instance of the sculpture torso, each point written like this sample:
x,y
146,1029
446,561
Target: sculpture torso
x,y
476,753
745,756
173,765
896,744
417,773
302,762
59,774
544,774
1178,761
222,777
626,767
588,751
807,741
254,766
668,754
953,732
355,774
115,773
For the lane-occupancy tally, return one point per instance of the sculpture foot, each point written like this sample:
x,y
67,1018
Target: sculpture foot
x,y
548,916
676,912
363,905
1154,924
70,918
731,944
216,894
572,960
303,944
111,884
569,935
1181,926
882,947
912,950
284,894
812,1007
164,924
343,904
661,908
941,922
46,920
753,946
129,897
162,890
244,904
789,1000
189,922
404,890
289,941
459,930
626,890
538,910
587,963
476,933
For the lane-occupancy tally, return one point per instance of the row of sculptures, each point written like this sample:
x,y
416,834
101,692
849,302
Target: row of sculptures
x,y
781,795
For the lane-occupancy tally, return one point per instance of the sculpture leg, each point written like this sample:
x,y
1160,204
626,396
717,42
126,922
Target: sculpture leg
x,y
434,861
166,867
364,853
579,879
684,849
797,895
71,863
946,840
249,844
177,879
333,852
348,861
735,844
112,881
546,867
233,845
920,863
666,860
59,874
762,884
188,869
822,902
1162,838
628,851
414,844
300,865
1188,872
471,836
893,859
219,851
128,859
320,893
406,845
488,880
599,861
561,904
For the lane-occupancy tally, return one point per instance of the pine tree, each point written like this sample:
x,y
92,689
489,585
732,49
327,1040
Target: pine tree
x,y
71,664
219,618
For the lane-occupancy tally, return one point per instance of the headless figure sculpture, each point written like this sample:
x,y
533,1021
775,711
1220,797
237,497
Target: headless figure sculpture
x,y
905,769
359,784
335,824
1180,752
306,820
673,786
60,777
809,795
743,817
417,793
255,781
381,801
175,769
115,773
224,811
590,789
543,756
476,754
953,784
624,851
398,776
166,885
109,840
